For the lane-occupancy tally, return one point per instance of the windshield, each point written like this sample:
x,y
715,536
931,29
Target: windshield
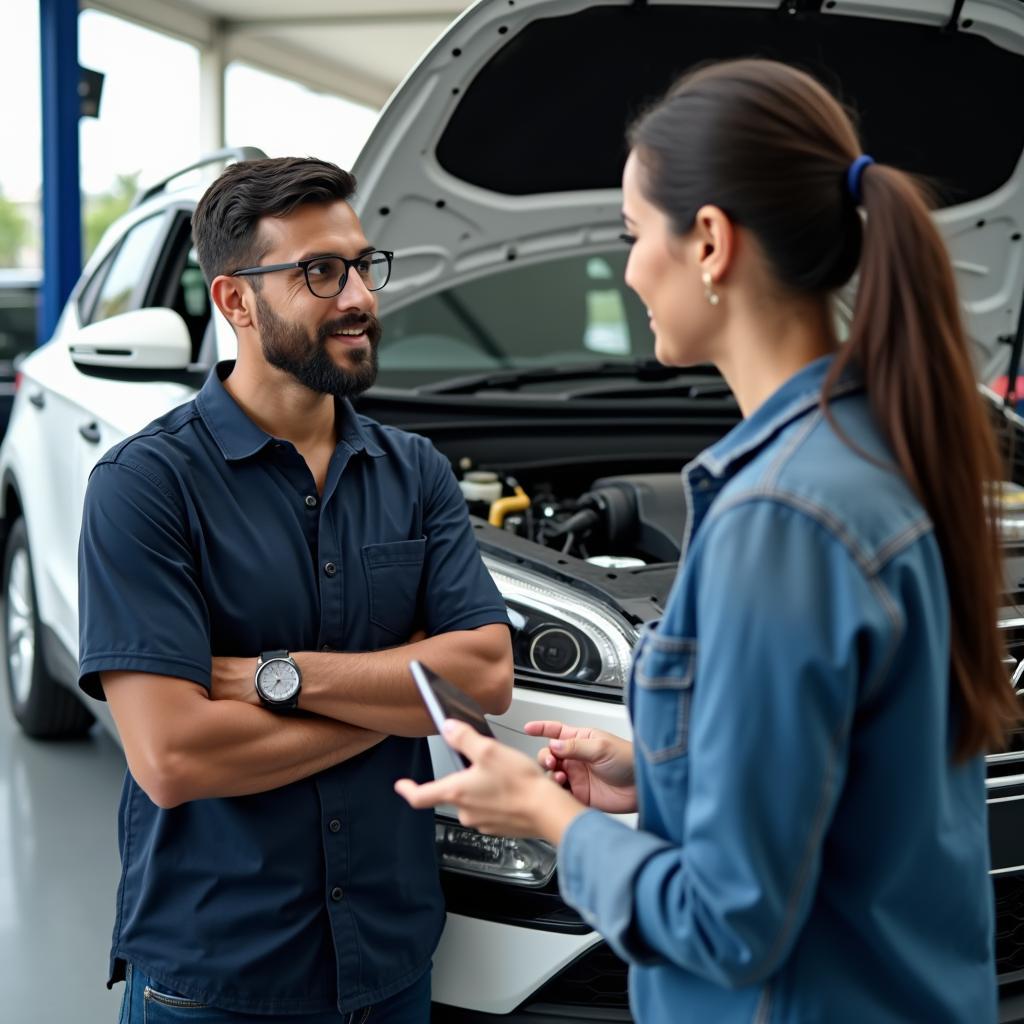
x,y
572,310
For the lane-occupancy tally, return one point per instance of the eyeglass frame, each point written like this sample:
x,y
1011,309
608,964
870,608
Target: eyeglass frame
x,y
304,266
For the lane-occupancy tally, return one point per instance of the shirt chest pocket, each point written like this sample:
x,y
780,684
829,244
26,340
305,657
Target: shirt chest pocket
x,y
663,674
393,571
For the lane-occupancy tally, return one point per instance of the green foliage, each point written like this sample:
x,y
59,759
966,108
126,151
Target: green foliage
x,y
101,211
14,231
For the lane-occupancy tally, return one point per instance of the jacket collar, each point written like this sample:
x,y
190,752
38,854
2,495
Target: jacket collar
x,y
795,398
238,437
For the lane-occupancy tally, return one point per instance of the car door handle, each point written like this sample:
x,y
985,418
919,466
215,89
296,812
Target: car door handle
x,y
37,399
90,432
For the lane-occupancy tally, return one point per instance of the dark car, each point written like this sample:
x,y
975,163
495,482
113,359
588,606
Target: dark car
x,y
19,314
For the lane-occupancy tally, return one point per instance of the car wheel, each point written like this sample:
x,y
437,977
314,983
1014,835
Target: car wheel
x,y
44,709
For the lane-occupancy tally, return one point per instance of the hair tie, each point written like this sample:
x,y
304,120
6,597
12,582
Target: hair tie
x,y
853,176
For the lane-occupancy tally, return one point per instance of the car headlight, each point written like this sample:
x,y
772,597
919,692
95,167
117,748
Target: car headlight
x,y
519,861
563,639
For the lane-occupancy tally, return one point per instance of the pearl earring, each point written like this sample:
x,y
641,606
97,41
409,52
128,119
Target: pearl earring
x,y
709,292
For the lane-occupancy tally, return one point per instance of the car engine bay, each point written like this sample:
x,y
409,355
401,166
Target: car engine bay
x,y
618,522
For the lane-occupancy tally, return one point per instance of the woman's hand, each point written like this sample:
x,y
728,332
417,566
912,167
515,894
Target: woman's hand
x,y
597,766
502,793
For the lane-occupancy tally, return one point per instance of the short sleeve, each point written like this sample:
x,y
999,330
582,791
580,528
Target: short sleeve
x,y
458,590
140,606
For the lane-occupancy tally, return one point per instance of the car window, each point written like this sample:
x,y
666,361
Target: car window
x,y
194,296
91,289
178,283
574,309
18,318
129,267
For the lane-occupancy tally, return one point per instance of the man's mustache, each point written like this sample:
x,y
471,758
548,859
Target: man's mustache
x,y
367,321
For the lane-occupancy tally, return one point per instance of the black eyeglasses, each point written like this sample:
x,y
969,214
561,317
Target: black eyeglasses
x,y
326,276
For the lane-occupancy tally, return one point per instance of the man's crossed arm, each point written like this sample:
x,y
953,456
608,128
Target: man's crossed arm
x,y
183,743
376,691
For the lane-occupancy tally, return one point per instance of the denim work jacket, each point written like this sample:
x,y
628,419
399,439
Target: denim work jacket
x,y
807,849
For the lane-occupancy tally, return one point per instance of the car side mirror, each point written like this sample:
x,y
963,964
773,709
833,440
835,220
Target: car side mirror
x,y
153,339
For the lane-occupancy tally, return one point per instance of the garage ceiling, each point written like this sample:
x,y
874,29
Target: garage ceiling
x,y
360,49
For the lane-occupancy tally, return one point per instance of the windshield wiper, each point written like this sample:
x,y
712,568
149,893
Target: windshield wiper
x,y
687,387
505,380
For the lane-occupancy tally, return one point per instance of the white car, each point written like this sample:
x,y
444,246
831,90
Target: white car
x,y
512,342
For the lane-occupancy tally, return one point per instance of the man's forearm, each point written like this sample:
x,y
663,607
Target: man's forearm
x,y
376,691
243,750
182,746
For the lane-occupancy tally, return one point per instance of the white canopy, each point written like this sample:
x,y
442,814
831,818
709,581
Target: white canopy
x,y
359,49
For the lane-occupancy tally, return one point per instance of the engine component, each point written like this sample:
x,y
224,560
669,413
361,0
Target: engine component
x,y
616,561
519,502
481,485
643,512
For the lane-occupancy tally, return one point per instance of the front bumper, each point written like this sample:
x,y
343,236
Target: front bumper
x,y
592,989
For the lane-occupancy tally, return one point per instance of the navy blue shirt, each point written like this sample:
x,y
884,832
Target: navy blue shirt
x,y
202,535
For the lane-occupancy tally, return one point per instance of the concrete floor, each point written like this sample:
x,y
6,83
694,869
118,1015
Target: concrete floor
x,y
58,875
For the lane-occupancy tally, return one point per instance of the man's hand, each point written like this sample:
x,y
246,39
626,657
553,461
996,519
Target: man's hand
x,y
234,679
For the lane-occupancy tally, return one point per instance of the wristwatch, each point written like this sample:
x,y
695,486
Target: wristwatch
x,y
278,681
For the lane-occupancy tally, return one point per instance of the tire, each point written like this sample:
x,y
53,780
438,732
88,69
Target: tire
x,y
43,708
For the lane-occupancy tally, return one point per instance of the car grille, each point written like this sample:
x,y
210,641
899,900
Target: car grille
x,y
1003,769
1009,891
1013,636
597,980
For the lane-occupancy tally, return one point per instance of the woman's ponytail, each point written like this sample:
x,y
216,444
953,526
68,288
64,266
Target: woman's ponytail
x,y
908,342
774,150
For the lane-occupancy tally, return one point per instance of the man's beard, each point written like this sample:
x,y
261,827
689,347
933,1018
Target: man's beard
x,y
288,347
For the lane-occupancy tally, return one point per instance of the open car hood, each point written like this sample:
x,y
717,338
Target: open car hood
x,y
506,142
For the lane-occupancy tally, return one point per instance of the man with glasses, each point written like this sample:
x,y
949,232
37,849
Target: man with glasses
x,y
257,568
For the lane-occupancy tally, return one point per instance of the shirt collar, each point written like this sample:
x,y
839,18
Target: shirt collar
x,y
238,437
796,397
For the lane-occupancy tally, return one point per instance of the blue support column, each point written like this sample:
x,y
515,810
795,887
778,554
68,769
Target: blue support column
x,y
62,209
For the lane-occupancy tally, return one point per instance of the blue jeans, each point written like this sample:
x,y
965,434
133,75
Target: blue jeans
x,y
150,1002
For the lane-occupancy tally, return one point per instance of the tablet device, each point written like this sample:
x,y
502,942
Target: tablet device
x,y
445,700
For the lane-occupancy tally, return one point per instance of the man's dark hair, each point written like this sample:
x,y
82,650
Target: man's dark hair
x,y
225,226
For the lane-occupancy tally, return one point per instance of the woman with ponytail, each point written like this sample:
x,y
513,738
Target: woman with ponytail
x,y
811,712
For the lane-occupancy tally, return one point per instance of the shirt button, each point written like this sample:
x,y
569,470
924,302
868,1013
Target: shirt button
x,y
330,568
310,501
326,648
336,893
334,825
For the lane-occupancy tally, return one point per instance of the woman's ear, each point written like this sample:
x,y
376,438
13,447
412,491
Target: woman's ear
x,y
233,300
714,237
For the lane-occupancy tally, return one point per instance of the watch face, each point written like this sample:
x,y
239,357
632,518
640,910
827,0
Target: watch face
x,y
278,680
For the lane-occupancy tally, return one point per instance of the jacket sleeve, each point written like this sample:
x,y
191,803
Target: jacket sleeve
x,y
789,627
